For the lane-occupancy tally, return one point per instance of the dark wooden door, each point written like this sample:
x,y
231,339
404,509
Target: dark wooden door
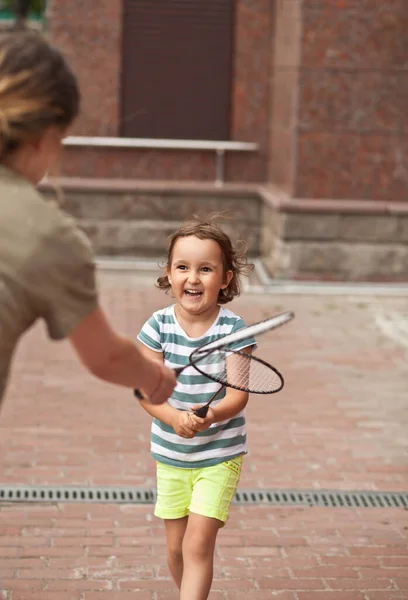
x,y
177,69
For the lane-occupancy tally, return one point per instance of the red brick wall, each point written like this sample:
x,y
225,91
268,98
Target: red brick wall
x,y
90,34
251,86
320,85
353,100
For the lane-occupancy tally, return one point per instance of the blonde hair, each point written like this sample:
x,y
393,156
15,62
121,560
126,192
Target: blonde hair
x,y
234,258
37,89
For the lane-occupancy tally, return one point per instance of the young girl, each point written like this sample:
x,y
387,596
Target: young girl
x,y
198,459
47,268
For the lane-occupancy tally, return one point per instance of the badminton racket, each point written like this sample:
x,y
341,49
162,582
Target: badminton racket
x,y
219,361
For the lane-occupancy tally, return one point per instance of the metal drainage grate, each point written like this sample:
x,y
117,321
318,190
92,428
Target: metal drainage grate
x,y
122,495
329,498
25,493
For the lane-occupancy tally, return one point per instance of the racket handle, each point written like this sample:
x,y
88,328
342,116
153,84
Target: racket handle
x,y
202,411
139,394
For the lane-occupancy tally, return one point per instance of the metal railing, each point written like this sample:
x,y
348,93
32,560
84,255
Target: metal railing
x,y
219,147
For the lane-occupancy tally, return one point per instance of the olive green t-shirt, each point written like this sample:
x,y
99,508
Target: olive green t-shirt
x,y
47,267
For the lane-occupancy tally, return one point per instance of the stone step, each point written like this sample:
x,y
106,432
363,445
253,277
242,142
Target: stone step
x,y
121,237
329,240
125,221
145,271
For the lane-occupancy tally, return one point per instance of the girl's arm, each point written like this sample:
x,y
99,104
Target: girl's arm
x,y
180,421
231,405
116,359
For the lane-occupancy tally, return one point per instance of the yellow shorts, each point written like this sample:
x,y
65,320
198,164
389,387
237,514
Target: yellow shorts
x,y
207,491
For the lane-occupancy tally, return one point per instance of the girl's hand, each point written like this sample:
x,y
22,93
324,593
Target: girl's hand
x,y
201,423
182,424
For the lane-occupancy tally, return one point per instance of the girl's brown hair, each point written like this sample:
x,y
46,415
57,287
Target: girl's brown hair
x,y
37,89
234,258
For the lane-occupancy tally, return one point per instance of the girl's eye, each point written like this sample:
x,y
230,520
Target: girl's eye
x,y
181,267
206,269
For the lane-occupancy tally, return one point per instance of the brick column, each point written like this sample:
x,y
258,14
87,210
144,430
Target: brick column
x,y
286,38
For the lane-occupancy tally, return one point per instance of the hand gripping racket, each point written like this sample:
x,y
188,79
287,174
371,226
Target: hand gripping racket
x,y
220,362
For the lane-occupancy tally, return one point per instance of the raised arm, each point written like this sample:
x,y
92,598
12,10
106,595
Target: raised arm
x,y
116,359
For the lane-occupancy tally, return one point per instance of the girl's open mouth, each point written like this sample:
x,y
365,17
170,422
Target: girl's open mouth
x,y
193,293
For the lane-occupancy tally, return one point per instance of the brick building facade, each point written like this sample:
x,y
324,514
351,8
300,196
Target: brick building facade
x,y
320,85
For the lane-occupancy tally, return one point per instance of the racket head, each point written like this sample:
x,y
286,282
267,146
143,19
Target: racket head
x,y
250,331
238,370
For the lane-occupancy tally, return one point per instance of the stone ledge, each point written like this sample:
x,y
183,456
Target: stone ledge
x,y
148,186
378,228
144,237
270,194
139,205
280,200
341,261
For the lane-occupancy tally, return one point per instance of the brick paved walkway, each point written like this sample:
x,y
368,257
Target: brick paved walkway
x,y
340,423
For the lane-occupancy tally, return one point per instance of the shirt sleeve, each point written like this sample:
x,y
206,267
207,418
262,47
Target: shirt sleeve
x,y
246,343
149,335
65,278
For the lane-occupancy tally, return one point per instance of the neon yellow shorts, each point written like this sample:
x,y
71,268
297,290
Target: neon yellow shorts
x,y
207,491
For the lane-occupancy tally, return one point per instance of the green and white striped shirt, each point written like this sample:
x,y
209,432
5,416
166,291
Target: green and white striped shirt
x,y
221,441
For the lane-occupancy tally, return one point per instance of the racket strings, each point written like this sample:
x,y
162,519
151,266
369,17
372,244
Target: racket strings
x,y
240,370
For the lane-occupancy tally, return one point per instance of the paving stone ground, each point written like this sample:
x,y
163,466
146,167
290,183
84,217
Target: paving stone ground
x,y
341,422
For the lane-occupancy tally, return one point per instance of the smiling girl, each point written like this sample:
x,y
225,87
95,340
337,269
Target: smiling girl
x,y
198,459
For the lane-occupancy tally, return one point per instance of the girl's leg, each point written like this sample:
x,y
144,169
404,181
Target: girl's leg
x,y
198,557
174,490
175,530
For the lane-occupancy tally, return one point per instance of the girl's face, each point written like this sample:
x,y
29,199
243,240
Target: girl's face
x,y
196,275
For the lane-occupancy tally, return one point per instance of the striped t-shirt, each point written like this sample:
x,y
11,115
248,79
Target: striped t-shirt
x,y
221,441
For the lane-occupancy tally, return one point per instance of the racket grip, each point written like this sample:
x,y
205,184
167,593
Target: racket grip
x,y
139,394
202,411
